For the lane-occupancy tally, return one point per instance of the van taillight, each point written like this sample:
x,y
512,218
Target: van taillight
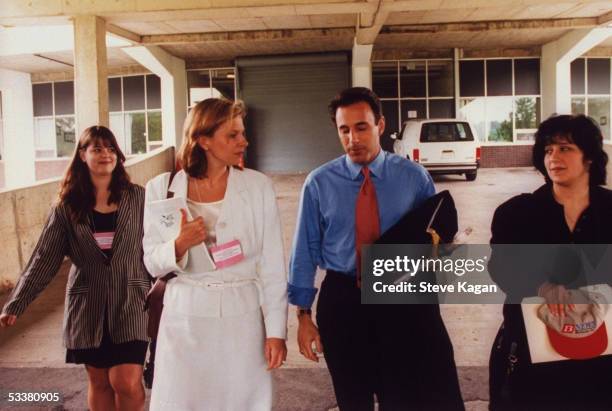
x,y
477,153
415,155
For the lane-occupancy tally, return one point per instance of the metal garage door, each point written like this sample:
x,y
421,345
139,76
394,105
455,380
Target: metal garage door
x,y
287,123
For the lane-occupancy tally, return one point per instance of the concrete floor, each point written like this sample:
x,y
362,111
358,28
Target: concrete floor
x,y
32,356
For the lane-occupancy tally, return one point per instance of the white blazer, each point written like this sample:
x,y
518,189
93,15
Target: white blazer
x,y
249,213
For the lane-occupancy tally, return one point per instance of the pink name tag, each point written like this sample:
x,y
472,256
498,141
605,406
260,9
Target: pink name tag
x,y
104,240
227,254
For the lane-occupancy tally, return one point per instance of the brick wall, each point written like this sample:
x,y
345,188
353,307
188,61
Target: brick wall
x,y
506,156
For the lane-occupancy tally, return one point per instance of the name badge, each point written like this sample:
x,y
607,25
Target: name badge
x,y
227,254
104,240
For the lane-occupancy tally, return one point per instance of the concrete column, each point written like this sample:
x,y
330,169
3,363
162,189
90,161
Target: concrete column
x,y
362,67
555,67
456,56
18,116
173,76
90,72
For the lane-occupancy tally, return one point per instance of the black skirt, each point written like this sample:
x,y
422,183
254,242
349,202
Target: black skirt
x,y
109,354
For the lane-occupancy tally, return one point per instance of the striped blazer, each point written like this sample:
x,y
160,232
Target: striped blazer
x,y
98,286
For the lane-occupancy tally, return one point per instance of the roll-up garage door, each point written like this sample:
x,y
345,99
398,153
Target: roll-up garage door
x,y
288,125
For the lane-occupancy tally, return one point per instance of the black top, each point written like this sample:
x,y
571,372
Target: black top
x,y
104,223
538,218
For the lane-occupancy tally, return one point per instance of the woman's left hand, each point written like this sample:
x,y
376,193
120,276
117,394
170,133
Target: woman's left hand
x,y
276,352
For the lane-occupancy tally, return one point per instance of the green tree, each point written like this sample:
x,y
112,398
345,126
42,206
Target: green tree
x,y
525,113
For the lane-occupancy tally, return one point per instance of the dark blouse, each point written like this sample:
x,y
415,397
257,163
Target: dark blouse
x,y
104,223
538,219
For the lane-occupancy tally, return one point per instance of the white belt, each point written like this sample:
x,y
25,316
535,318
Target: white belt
x,y
217,284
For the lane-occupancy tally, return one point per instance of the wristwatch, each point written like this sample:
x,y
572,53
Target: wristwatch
x,y
303,311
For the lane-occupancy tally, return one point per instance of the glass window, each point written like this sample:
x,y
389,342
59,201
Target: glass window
x,y
42,96
133,93
153,92
525,136
526,76
440,77
44,136
65,136
384,79
135,132
412,79
199,86
64,97
499,77
223,83
598,76
471,78
442,108
154,122
526,112
392,123
116,126
413,109
473,110
578,105
577,75
499,118
599,110
114,94
445,132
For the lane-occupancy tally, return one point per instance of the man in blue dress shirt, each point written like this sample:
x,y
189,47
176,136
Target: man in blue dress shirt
x,y
401,353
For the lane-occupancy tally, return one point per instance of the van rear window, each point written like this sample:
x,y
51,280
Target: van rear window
x,y
444,132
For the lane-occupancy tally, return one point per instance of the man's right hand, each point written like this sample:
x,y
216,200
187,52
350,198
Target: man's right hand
x,y
307,334
6,320
191,233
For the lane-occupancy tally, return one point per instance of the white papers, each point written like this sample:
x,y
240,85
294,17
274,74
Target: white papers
x,y
165,218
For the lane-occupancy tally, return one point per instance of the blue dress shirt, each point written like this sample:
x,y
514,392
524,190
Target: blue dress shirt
x,y
325,232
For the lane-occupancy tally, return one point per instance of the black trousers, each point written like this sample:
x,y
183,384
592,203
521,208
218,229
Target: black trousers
x,y
401,353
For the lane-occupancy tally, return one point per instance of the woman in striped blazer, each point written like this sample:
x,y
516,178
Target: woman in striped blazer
x,y
97,222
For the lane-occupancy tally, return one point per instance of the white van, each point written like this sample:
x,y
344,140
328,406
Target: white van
x,y
442,146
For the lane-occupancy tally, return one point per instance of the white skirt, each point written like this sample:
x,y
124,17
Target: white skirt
x,y
211,363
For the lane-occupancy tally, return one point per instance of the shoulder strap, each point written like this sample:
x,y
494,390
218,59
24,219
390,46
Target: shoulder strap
x,y
170,194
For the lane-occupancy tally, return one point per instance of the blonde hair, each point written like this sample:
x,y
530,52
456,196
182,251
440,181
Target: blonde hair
x,y
203,121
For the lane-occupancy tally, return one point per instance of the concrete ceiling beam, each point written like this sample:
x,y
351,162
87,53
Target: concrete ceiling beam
x,y
605,19
370,24
485,26
124,34
423,5
14,12
255,35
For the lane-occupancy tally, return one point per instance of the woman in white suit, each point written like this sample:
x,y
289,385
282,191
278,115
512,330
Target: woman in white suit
x,y
222,330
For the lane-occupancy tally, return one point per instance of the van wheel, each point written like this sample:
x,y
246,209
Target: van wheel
x,y
471,176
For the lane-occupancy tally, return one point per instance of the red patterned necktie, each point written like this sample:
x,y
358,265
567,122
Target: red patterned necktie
x,y
367,226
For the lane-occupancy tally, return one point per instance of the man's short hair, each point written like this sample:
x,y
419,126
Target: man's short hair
x,y
576,129
354,95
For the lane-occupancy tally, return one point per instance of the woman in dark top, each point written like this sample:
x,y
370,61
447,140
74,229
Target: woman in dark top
x,y
571,208
97,222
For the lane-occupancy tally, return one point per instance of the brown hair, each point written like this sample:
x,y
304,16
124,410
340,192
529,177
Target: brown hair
x,y
202,121
77,191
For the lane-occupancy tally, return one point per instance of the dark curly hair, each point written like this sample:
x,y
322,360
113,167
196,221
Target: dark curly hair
x,y
575,129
